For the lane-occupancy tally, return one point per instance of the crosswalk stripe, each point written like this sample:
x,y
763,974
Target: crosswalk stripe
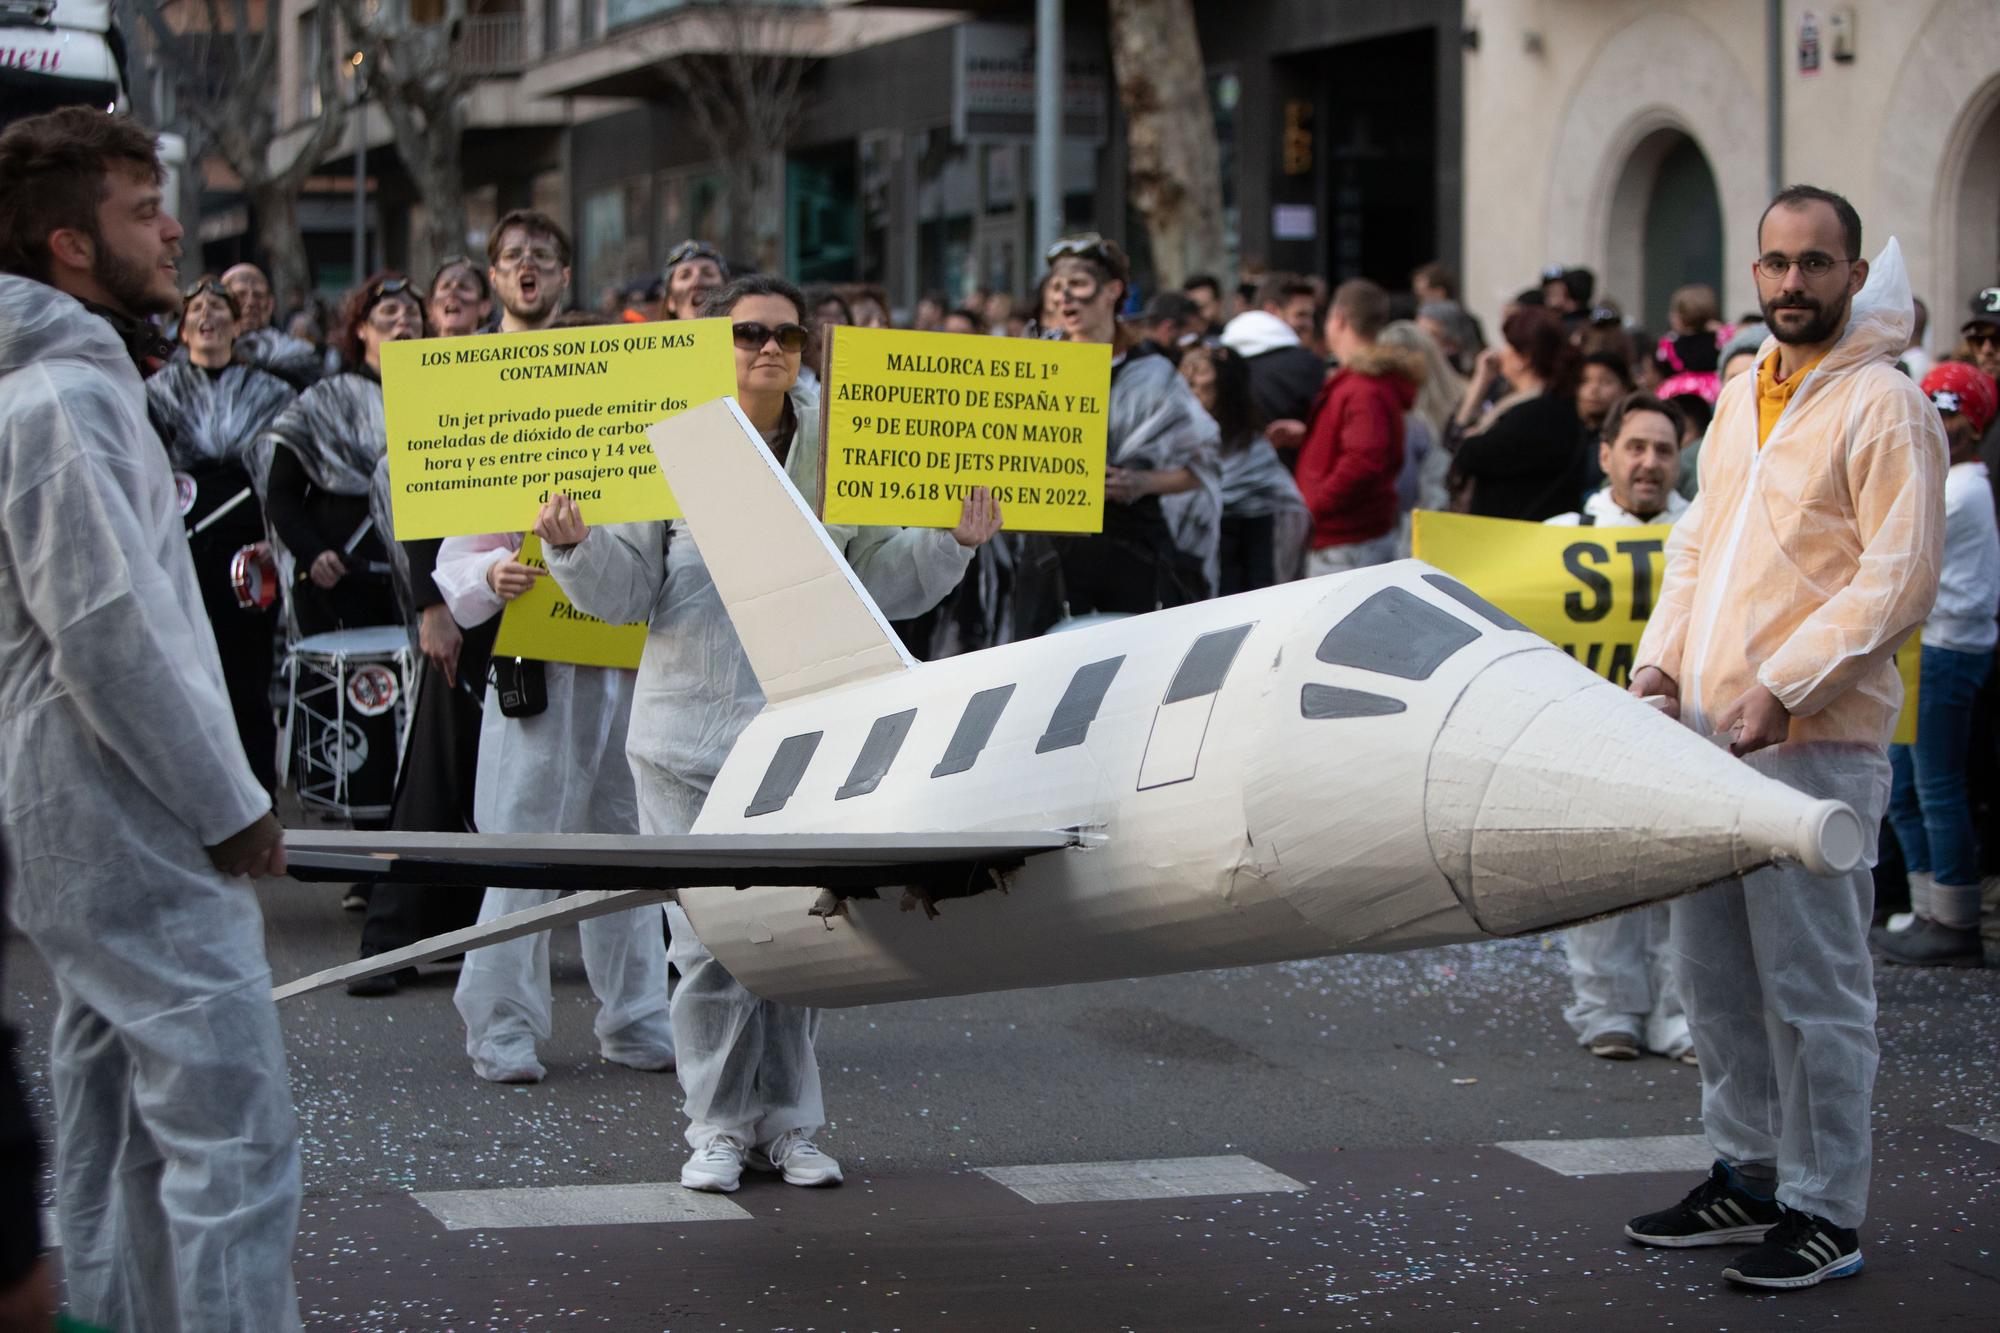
x,y
575,1205
1119,1182
1609,1157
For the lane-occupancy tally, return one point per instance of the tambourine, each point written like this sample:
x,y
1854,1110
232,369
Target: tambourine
x,y
253,577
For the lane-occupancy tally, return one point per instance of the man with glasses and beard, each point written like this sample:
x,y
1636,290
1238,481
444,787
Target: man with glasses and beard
x,y
1810,554
132,816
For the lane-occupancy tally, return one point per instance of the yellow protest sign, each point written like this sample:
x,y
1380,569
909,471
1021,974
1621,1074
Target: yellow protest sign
x,y
542,624
483,429
1588,590
913,421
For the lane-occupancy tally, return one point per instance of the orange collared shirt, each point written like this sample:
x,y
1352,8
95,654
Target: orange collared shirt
x,y
1773,393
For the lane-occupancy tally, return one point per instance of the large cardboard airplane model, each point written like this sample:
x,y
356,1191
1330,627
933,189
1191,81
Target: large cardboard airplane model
x,y
1368,761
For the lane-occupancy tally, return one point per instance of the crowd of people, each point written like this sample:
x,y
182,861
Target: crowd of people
x,y
1278,429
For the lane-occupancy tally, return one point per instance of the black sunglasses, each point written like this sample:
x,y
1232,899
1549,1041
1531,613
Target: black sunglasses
x,y
751,336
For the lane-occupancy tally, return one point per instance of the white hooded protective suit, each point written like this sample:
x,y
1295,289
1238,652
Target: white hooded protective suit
x,y
1802,565
746,1065
1621,969
177,1177
560,771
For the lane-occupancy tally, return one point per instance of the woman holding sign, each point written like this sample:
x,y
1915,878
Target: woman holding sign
x,y
328,443
1162,485
747,1065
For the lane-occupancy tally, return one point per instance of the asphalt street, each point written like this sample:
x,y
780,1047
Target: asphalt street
x,y
1317,1146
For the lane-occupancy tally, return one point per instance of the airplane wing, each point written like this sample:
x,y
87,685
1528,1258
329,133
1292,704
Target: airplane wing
x,y
617,873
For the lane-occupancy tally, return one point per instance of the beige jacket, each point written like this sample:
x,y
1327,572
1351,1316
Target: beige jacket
x,y
1804,564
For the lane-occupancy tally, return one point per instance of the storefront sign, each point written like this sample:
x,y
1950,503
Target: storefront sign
x,y
483,429
993,85
914,421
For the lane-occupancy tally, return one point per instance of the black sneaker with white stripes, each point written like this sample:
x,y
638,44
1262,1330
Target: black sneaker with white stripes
x,y
1719,1211
1801,1251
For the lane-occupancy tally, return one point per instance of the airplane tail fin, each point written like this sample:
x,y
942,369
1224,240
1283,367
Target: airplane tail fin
x,y
806,622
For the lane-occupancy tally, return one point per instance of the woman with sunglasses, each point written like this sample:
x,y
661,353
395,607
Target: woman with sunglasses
x,y
328,444
211,411
1162,482
747,1065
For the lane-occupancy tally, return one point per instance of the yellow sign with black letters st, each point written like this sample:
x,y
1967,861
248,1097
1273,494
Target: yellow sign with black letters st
x,y
1587,590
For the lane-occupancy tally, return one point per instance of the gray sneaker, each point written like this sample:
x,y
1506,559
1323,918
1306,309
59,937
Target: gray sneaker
x,y
1934,944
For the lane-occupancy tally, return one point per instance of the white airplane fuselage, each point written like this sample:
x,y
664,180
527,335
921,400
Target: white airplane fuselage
x,y
1256,785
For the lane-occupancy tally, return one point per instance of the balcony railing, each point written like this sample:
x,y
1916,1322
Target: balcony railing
x,y
489,44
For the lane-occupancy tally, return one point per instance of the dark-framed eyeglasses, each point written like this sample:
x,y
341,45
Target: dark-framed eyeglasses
x,y
1812,264
752,336
693,249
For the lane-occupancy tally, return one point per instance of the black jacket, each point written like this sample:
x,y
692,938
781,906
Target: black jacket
x,y
1529,463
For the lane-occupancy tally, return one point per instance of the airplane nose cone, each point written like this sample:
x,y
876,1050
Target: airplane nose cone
x,y
1553,796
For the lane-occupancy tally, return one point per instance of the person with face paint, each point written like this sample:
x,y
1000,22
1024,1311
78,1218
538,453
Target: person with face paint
x,y
1810,553
694,270
211,411
132,815
1162,483
261,344
326,449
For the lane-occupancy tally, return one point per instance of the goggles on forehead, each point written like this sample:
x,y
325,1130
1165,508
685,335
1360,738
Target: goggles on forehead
x,y
1089,245
693,249
210,287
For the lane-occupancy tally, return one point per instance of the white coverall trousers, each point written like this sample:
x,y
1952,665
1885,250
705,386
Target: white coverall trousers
x,y
562,771
177,1165
747,1065
1621,975
1780,995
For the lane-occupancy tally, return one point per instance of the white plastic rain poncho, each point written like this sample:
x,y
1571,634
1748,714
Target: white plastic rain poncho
x,y
1157,424
177,1179
1802,565
209,419
1621,969
560,771
1254,484
293,360
747,1065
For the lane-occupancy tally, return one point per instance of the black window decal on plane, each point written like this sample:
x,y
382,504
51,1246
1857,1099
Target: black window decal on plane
x,y
885,739
1397,633
1078,708
1465,596
1321,702
981,716
782,778
1206,664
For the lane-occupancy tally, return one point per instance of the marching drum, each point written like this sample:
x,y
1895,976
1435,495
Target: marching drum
x,y
349,715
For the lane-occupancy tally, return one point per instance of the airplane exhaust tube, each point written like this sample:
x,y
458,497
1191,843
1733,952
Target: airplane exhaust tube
x,y
1824,836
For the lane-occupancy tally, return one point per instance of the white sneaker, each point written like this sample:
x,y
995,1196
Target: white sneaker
x,y
795,1156
716,1167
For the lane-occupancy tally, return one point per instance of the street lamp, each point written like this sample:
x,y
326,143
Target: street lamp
x,y
360,167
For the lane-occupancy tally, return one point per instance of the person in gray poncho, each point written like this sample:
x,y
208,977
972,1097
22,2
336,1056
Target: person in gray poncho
x,y
1162,483
258,342
211,412
327,445
1264,519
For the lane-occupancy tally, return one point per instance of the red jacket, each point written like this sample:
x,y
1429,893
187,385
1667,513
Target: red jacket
x,y
1353,449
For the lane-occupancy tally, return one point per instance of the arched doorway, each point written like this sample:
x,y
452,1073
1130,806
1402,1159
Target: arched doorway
x,y
1973,201
1664,226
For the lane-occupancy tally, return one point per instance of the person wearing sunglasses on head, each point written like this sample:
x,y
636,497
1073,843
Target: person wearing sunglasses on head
x,y
334,562
694,270
747,1065
211,411
1162,480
